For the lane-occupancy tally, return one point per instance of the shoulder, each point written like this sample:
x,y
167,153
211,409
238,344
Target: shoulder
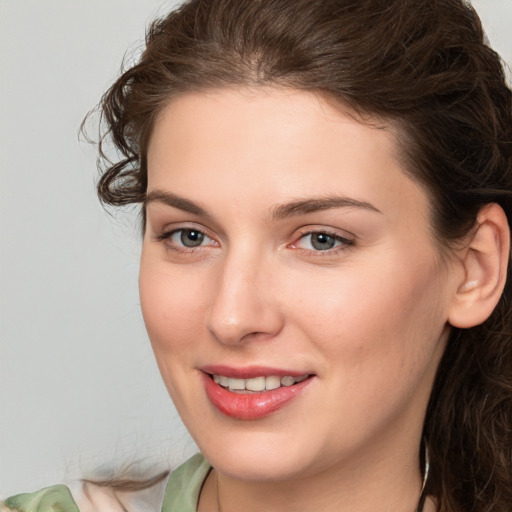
x,y
57,498
83,496
179,493
86,497
184,486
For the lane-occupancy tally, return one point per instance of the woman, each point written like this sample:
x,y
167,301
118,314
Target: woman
x,y
326,190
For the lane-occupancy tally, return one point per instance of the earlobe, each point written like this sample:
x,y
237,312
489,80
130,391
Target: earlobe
x,y
484,259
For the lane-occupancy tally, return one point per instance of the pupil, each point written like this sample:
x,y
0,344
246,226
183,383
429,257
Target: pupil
x,y
191,238
322,242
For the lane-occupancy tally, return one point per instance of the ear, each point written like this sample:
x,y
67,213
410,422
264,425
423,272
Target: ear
x,y
484,260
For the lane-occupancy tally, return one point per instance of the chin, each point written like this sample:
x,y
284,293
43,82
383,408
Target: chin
x,y
263,452
256,464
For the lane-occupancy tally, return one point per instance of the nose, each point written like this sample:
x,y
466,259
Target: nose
x,y
244,305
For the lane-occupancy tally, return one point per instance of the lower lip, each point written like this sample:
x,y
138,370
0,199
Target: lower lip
x,y
251,406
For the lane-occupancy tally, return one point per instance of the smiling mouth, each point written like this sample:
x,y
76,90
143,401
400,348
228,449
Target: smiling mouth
x,y
259,384
252,393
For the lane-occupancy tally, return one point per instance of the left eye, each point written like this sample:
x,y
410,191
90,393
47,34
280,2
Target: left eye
x,y
189,238
319,241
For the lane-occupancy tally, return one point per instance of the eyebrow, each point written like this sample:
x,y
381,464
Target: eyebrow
x,y
175,201
310,205
293,208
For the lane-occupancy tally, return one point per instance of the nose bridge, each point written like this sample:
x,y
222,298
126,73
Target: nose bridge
x,y
243,303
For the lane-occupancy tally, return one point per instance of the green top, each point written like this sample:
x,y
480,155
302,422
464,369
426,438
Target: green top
x,y
181,493
51,499
184,486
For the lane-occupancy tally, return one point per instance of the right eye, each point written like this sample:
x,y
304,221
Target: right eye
x,y
186,239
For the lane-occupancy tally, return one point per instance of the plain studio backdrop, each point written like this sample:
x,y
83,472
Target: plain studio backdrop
x,y
79,389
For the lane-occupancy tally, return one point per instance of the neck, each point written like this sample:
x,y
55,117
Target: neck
x,y
388,484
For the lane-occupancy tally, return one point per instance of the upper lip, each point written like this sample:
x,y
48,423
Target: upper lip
x,y
249,372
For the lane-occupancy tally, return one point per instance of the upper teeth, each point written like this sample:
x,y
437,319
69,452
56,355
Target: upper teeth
x,y
257,383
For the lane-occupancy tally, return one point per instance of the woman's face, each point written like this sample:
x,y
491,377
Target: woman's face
x,y
283,239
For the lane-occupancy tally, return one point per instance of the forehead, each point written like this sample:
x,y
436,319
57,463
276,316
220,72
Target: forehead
x,y
273,144
262,113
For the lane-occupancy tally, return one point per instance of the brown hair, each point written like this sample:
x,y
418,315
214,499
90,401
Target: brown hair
x,y
424,66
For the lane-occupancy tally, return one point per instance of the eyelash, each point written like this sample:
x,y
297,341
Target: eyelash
x,y
344,243
167,237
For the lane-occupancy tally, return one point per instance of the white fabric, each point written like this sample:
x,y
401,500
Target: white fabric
x,y
94,498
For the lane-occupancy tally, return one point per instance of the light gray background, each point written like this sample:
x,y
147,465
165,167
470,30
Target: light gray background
x,y
78,385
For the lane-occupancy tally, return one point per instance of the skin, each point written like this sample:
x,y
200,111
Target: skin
x,y
369,317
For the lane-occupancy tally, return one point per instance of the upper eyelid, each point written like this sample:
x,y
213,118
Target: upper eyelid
x,y
343,241
346,241
169,229
159,217
336,236
166,235
337,233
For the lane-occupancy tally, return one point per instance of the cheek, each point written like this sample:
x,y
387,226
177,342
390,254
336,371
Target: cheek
x,y
173,309
172,305
380,338
389,311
